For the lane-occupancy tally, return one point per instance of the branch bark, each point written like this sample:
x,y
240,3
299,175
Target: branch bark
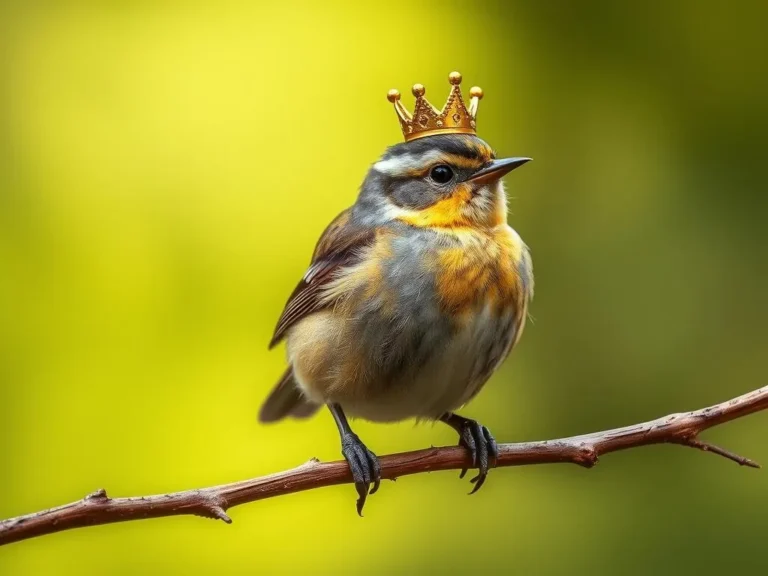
x,y
213,502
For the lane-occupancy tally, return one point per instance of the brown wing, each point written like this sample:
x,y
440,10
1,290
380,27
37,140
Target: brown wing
x,y
338,246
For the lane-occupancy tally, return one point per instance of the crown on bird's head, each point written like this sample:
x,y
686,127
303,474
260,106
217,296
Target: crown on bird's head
x,y
454,118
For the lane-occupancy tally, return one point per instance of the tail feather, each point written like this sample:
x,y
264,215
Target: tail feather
x,y
286,399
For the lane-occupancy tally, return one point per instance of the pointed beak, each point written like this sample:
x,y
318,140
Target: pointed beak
x,y
496,170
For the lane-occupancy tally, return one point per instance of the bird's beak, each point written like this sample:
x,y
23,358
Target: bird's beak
x,y
496,170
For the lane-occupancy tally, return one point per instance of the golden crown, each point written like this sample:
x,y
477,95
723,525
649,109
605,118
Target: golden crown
x,y
454,118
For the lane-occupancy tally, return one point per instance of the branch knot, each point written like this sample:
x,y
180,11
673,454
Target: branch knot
x,y
586,455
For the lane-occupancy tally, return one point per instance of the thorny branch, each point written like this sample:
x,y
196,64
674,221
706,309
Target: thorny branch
x,y
213,502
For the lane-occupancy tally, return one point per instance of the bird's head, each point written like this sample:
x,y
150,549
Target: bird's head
x,y
446,180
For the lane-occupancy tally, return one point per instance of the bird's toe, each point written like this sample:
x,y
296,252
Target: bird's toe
x,y
364,467
481,445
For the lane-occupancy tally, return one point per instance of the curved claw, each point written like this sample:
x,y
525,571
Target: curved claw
x,y
364,467
489,449
480,444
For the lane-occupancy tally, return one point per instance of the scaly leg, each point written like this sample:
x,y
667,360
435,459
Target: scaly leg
x,y
362,462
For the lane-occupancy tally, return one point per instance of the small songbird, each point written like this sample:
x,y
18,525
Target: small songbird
x,y
415,295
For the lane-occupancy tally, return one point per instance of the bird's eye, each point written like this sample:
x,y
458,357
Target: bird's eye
x,y
441,174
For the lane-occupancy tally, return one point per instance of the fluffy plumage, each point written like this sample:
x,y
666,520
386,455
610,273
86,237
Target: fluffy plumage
x,y
414,295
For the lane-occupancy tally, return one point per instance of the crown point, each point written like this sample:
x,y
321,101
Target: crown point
x,y
393,95
456,116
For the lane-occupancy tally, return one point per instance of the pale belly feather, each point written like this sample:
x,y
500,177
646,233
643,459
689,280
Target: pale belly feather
x,y
335,362
449,379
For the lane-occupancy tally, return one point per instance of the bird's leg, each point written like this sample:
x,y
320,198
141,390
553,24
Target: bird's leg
x,y
362,462
478,441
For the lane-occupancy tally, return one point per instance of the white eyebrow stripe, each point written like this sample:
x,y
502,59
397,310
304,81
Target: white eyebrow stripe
x,y
403,164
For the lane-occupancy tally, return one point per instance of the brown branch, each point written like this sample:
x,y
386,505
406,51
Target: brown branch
x,y
98,508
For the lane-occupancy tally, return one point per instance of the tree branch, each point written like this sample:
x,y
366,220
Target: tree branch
x,y
97,508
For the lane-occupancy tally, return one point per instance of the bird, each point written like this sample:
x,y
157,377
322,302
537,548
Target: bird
x,y
414,295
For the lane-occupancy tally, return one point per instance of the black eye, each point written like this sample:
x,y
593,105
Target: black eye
x,y
441,174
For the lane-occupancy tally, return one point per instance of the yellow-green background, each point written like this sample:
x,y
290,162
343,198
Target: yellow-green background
x,y
165,168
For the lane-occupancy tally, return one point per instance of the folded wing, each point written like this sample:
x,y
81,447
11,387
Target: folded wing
x,y
340,245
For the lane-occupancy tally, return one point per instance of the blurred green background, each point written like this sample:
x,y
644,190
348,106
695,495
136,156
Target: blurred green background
x,y
165,169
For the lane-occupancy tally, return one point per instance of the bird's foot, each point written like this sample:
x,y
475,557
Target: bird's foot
x,y
480,444
364,466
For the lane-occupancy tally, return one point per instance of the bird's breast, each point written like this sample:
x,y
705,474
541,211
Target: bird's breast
x,y
483,270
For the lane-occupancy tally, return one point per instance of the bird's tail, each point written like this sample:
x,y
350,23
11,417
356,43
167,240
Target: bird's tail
x,y
286,399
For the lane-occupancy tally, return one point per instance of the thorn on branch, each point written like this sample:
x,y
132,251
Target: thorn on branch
x,y
99,494
213,507
217,512
311,463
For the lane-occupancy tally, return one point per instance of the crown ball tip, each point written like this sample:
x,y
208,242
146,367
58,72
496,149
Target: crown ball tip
x,y
393,95
476,92
418,90
454,78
